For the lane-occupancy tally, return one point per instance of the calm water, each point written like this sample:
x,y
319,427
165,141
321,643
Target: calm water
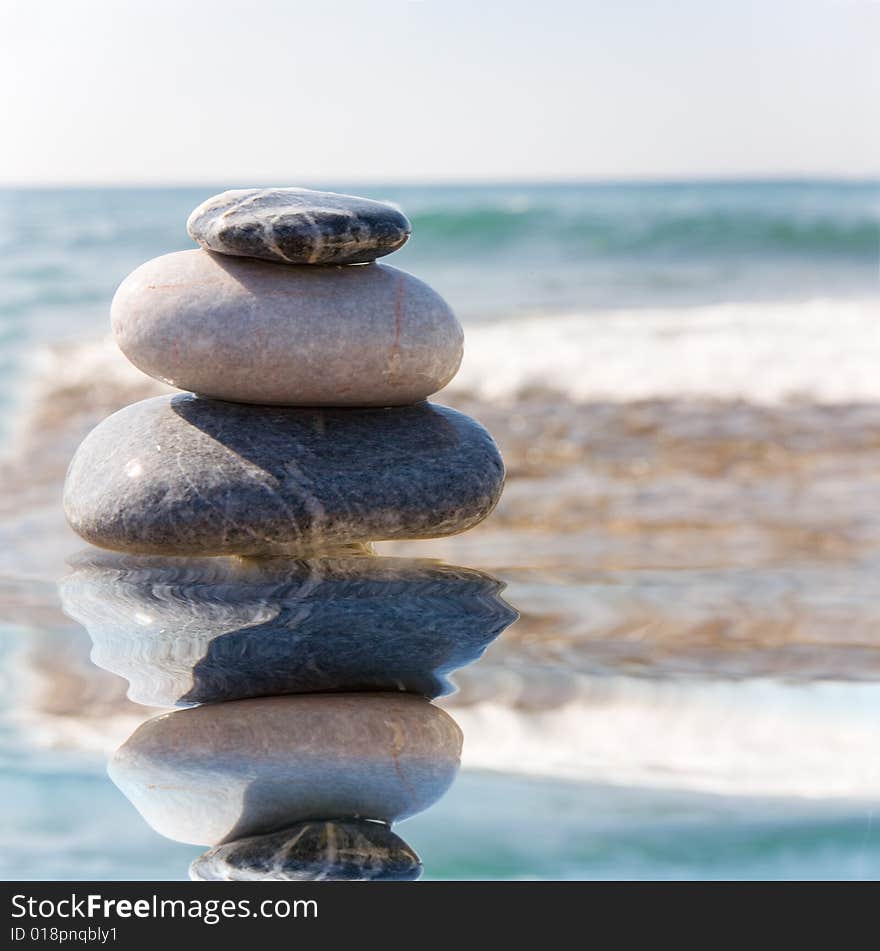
x,y
693,688
493,251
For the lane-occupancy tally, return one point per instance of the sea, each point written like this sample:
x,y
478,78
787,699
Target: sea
x,y
683,380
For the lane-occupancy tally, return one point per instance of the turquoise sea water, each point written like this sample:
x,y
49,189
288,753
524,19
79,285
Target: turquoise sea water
x,y
496,251
498,254
492,250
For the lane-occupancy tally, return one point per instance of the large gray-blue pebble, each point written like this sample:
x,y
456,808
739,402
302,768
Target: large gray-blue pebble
x,y
191,476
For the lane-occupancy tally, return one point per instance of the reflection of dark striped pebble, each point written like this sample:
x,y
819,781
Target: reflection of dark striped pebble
x,y
298,226
313,851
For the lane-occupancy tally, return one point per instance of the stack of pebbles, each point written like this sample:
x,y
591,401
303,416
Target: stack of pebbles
x,y
306,436
306,426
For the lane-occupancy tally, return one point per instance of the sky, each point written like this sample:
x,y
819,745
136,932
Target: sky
x,y
112,92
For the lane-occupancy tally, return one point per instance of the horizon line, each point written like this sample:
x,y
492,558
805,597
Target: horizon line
x,y
475,182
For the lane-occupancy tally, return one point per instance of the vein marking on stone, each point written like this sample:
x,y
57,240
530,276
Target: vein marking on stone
x,y
269,239
310,500
332,848
317,238
290,845
398,743
392,372
225,517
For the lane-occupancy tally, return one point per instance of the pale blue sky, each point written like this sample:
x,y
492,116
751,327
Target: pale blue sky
x,y
131,91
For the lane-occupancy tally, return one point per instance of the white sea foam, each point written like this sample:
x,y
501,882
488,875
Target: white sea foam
x,y
826,351
822,350
754,738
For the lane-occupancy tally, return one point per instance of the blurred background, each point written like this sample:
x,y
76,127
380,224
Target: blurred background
x,y
659,225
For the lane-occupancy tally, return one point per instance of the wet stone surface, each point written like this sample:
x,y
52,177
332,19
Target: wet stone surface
x,y
253,332
224,771
298,226
354,851
186,630
190,476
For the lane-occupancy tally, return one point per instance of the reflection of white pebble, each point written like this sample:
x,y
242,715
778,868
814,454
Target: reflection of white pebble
x,y
222,771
